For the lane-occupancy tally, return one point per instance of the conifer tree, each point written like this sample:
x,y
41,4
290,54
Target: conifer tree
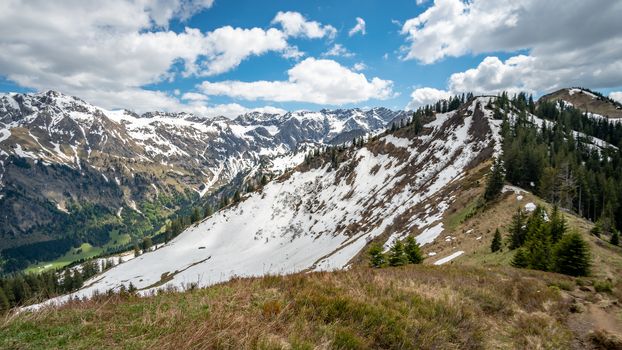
x,y
413,251
237,197
557,225
377,258
67,280
136,250
520,259
495,181
77,280
176,228
147,244
89,268
495,245
196,215
517,230
572,256
538,248
21,290
615,238
417,124
397,255
168,233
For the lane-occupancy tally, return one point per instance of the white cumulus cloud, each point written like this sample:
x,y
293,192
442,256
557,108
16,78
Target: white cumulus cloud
x,y
565,43
358,28
313,80
338,50
424,96
226,47
106,52
295,24
359,66
616,96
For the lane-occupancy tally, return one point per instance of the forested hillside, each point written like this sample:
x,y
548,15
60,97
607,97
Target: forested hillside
x,y
549,148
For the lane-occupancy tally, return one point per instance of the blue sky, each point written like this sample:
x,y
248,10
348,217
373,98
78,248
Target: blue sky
x,y
228,57
382,37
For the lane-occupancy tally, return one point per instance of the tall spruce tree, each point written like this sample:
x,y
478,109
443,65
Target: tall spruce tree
x,y
397,255
196,215
413,250
538,248
209,211
417,123
518,229
495,181
68,283
520,259
495,245
572,256
557,225
377,258
147,244
237,196
136,250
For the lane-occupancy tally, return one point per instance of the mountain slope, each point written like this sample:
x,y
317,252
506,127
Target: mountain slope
x,y
587,101
320,217
62,159
413,307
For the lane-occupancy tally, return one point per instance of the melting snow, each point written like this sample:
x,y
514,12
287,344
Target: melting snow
x,y
303,222
448,258
397,141
529,207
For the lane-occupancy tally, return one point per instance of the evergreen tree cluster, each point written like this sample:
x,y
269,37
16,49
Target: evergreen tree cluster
x,y
335,154
560,165
541,243
23,289
400,254
451,104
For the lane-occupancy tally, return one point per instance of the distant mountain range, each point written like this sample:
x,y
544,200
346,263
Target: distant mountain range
x,y
71,169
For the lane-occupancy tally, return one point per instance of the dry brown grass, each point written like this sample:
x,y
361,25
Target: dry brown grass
x,y
414,307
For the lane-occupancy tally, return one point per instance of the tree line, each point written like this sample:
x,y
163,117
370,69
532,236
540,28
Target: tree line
x,y
22,289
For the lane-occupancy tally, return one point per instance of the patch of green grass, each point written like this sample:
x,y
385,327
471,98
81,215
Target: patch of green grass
x,y
603,286
84,251
117,239
454,220
483,257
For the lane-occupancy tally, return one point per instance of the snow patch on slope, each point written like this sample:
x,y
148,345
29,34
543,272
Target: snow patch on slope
x,y
314,220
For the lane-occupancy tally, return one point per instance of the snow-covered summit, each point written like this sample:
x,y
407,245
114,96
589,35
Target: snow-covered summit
x,y
142,156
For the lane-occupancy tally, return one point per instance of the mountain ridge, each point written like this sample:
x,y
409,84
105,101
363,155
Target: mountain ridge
x,y
320,215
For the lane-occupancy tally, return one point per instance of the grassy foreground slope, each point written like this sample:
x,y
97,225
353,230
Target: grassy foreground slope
x,y
412,307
